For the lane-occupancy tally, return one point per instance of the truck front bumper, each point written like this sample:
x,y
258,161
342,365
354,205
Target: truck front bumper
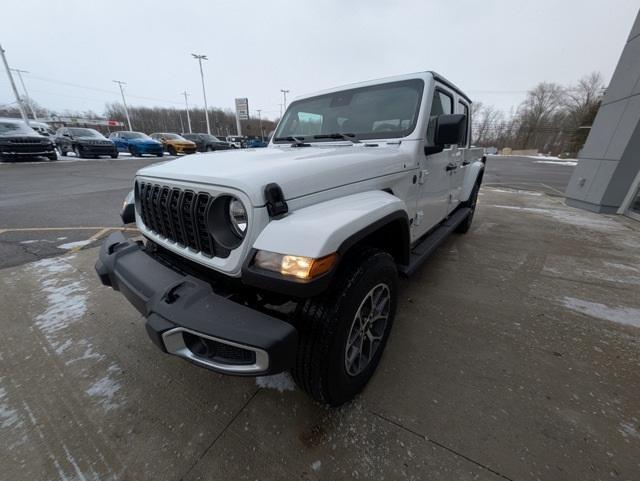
x,y
186,318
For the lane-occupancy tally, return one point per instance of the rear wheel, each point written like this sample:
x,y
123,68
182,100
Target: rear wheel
x,y
209,148
344,331
77,151
471,203
172,150
133,151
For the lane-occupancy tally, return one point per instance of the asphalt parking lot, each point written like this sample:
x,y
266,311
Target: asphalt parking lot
x,y
514,356
530,371
49,208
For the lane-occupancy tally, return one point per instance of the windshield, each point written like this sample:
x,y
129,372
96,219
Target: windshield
x,y
377,112
75,132
134,135
15,128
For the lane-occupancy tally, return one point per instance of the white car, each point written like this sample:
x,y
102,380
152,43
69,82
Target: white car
x,y
287,258
236,141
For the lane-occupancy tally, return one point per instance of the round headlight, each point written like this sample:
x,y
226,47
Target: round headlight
x,y
227,221
237,217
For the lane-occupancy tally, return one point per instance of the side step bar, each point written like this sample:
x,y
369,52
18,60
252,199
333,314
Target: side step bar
x,y
430,243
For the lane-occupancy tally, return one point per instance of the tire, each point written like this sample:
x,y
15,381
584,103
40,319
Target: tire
x,y
53,157
210,149
172,150
160,154
464,227
78,152
326,324
133,151
62,152
114,156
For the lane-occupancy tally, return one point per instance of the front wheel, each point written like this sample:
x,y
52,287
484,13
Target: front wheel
x,y
53,157
343,332
77,151
172,150
209,149
133,152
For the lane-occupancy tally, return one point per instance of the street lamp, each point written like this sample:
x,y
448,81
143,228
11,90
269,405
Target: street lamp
x,y
26,93
260,120
186,103
126,109
284,94
200,58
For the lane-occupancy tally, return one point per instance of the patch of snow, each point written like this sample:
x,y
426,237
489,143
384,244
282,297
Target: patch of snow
x,y
566,163
31,241
577,218
514,191
8,417
281,382
73,245
629,316
61,238
316,465
629,430
105,389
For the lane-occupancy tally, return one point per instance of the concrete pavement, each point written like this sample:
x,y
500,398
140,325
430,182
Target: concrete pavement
x,y
514,355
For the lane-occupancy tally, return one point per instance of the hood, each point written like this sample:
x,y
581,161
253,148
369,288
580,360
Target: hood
x,y
144,142
299,171
29,135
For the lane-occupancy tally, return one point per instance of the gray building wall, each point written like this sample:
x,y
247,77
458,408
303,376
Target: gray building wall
x,y
610,159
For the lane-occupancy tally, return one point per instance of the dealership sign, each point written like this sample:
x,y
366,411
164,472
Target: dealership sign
x,y
242,109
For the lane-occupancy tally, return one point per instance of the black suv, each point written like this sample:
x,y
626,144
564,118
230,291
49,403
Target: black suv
x,y
206,142
18,140
84,143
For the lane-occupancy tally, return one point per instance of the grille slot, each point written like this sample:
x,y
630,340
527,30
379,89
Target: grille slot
x,y
177,215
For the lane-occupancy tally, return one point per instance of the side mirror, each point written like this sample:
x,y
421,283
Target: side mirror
x,y
450,129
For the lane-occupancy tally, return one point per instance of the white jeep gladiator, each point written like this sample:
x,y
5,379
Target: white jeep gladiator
x,y
259,261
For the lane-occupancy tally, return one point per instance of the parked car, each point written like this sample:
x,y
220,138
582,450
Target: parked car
x,y
174,144
42,128
207,143
236,141
287,258
84,143
19,141
136,143
255,143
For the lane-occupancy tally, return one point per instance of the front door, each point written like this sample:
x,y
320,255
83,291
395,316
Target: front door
x,y
459,160
434,172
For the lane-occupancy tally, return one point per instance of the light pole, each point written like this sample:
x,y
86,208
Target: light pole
x,y
260,121
13,86
126,110
200,58
284,94
186,103
26,93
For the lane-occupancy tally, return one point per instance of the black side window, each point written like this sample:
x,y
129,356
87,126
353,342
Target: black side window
x,y
464,109
442,105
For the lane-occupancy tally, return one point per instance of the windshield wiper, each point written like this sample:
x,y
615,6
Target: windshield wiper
x,y
295,141
349,137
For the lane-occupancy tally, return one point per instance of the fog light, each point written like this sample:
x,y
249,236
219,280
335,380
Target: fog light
x,y
295,266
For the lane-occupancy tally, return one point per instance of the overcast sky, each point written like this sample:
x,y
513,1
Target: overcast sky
x,y
493,49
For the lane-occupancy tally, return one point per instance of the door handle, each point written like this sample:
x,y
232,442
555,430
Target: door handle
x,y
451,166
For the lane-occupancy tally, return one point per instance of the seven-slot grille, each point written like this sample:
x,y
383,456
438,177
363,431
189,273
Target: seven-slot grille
x,y
177,214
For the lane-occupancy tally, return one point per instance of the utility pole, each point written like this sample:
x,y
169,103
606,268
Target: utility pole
x,y
186,103
13,86
200,58
126,110
26,93
260,120
280,110
284,94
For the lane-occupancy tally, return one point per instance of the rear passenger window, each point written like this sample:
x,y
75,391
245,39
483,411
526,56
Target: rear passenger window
x,y
442,104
